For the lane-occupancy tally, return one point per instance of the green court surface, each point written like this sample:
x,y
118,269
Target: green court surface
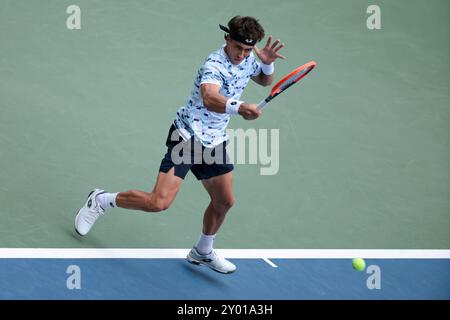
x,y
364,157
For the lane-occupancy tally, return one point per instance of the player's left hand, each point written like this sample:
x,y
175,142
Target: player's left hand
x,y
269,53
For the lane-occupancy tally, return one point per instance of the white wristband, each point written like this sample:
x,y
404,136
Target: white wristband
x,y
267,69
233,106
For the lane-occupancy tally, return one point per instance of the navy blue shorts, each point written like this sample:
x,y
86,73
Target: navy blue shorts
x,y
191,155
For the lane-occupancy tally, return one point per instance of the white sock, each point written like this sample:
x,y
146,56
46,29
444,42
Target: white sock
x,y
205,243
107,200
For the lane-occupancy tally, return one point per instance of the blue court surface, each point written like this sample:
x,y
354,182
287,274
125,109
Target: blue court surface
x,y
256,279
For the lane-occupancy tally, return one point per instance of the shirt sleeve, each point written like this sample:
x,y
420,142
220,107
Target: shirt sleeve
x,y
256,68
211,73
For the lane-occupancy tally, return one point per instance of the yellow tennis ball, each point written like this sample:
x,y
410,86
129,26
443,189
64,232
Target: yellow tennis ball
x,y
359,264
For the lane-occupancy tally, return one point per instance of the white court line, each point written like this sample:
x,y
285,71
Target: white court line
x,y
121,253
270,262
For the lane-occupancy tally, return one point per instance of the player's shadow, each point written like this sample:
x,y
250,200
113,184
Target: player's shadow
x,y
205,274
92,240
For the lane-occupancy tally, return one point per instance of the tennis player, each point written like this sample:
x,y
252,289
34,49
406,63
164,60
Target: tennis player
x,y
203,120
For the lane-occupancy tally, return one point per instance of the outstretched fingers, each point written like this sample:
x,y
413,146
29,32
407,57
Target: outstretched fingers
x,y
276,49
274,45
270,50
269,41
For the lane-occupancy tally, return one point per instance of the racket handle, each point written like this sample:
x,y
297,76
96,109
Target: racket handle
x,y
262,104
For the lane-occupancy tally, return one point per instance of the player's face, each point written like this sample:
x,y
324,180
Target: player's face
x,y
237,51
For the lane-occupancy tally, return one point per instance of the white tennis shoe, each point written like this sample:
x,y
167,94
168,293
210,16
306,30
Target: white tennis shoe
x,y
212,260
88,214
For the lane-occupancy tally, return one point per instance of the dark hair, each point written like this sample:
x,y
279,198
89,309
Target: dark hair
x,y
246,28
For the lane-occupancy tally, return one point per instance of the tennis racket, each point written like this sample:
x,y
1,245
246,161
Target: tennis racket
x,y
287,81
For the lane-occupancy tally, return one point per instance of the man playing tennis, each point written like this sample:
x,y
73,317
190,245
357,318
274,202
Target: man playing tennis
x,y
214,98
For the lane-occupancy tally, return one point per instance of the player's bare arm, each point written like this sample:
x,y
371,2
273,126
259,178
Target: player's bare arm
x,y
268,55
214,101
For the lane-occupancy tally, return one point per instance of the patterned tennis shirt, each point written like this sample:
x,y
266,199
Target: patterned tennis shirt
x,y
194,119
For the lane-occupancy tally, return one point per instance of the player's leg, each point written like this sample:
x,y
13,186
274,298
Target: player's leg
x,y
166,188
162,196
220,189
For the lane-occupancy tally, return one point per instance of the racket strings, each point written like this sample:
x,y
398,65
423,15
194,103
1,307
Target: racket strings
x,y
295,77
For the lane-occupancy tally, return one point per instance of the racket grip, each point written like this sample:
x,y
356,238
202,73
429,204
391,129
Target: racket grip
x,y
262,104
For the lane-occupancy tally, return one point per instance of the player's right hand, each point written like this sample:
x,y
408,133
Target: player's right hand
x,y
249,111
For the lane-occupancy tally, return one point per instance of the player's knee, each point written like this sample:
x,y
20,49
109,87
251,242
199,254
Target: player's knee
x,y
224,204
161,203
230,202
162,206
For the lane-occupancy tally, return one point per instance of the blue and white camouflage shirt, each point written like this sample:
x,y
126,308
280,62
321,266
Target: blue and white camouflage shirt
x,y
195,119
